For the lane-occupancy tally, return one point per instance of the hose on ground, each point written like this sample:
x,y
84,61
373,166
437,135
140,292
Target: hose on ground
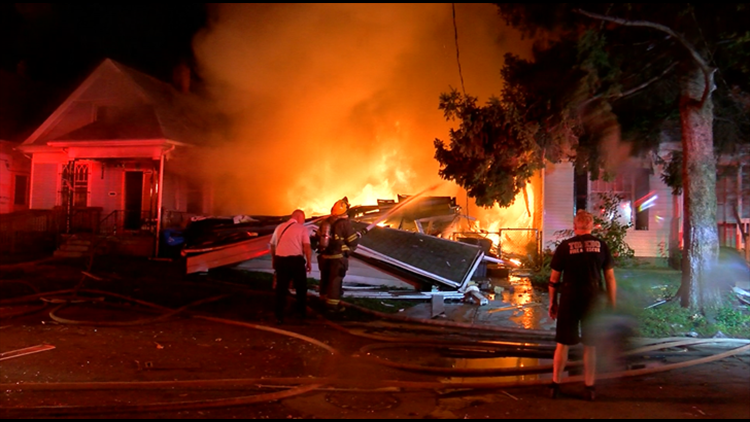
x,y
310,384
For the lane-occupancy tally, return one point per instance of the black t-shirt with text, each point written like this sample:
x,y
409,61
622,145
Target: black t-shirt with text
x,y
581,260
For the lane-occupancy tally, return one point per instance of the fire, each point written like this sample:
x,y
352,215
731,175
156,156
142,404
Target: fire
x,y
379,178
511,229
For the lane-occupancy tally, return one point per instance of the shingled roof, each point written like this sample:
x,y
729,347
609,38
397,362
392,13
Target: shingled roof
x,y
153,110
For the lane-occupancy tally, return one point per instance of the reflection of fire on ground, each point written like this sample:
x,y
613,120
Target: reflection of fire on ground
x,y
522,295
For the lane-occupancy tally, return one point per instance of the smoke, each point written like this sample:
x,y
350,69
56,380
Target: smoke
x,y
333,100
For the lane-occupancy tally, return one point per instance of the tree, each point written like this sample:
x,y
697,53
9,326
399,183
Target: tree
x,y
602,71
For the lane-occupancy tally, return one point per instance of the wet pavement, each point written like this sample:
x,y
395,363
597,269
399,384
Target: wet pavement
x,y
512,303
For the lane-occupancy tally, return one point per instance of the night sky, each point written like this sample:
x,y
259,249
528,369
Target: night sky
x,y
47,49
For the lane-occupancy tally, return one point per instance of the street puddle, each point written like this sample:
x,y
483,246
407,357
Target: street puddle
x,y
530,309
493,364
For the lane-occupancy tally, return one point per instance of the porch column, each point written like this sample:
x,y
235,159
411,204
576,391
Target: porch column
x,y
159,197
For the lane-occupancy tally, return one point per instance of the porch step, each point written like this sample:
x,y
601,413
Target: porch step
x,y
68,247
68,254
77,242
75,246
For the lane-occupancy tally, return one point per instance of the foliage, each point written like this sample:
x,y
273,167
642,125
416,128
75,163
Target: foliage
x,y
672,174
604,75
608,226
672,320
490,156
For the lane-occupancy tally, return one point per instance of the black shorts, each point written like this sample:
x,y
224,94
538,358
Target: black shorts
x,y
574,320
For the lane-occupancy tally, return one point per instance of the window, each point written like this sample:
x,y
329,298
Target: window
x,y
730,183
22,183
635,190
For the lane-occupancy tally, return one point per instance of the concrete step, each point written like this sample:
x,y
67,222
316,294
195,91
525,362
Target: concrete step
x,y
75,248
68,254
79,242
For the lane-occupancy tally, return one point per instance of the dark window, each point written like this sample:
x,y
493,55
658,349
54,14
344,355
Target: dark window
x,y
22,183
194,198
581,191
644,199
745,192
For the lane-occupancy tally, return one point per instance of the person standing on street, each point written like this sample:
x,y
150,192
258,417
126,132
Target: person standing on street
x,y
336,240
291,255
580,260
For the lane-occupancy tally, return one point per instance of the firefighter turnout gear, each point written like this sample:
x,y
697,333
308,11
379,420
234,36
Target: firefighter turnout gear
x,y
341,207
333,259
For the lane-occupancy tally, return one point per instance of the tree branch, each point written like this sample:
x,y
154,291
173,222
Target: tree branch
x,y
633,90
702,64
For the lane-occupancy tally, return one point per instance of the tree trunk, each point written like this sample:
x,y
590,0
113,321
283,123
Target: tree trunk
x,y
701,241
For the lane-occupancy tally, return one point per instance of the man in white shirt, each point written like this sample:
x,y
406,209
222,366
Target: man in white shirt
x,y
291,254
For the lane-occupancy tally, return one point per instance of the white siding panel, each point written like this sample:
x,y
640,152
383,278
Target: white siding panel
x,y
105,183
44,186
654,241
558,201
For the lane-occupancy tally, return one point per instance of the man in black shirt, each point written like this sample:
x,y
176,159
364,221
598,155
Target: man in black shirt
x,y
580,260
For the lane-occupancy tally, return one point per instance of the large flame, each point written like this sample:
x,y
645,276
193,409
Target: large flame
x,y
333,100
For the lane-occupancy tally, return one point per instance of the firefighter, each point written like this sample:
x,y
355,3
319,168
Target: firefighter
x,y
337,239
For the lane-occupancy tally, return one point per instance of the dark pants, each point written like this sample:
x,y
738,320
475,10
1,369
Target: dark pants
x,y
332,272
290,269
575,317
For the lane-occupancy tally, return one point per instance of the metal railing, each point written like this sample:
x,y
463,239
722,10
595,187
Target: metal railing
x,y
122,221
29,231
506,252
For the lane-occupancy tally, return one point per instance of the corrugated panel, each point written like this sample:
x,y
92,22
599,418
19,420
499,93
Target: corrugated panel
x,y
445,259
44,188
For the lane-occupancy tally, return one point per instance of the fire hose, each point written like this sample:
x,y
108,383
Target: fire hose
x,y
301,386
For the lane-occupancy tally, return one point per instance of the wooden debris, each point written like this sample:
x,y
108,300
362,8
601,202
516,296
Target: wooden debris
x,y
27,351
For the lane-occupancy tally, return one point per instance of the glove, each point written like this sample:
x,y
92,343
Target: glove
x,y
361,233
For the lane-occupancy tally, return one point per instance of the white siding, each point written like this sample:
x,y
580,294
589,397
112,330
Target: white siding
x,y
654,241
44,186
558,201
105,183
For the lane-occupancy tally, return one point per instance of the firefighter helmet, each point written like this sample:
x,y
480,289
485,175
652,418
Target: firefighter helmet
x,y
340,207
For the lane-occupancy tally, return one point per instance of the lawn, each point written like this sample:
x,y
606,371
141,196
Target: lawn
x,y
640,288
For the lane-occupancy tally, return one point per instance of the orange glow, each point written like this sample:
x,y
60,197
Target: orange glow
x,y
333,100
496,223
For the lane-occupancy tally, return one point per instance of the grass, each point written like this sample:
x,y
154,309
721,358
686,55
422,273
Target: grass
x,y
638,288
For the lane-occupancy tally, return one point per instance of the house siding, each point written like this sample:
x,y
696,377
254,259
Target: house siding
x,y
559,208
558,201
106,188
654,242
44,185
12,165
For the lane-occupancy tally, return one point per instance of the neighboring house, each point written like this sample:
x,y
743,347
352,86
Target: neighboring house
x,y
15,172
113,158
655,214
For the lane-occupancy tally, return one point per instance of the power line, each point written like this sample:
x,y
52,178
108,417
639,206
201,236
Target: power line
x,y
458,57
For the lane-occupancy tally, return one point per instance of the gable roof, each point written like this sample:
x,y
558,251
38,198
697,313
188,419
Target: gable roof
x,y
162,112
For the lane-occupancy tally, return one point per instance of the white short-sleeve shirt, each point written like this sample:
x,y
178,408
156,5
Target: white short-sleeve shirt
x,y
292,241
